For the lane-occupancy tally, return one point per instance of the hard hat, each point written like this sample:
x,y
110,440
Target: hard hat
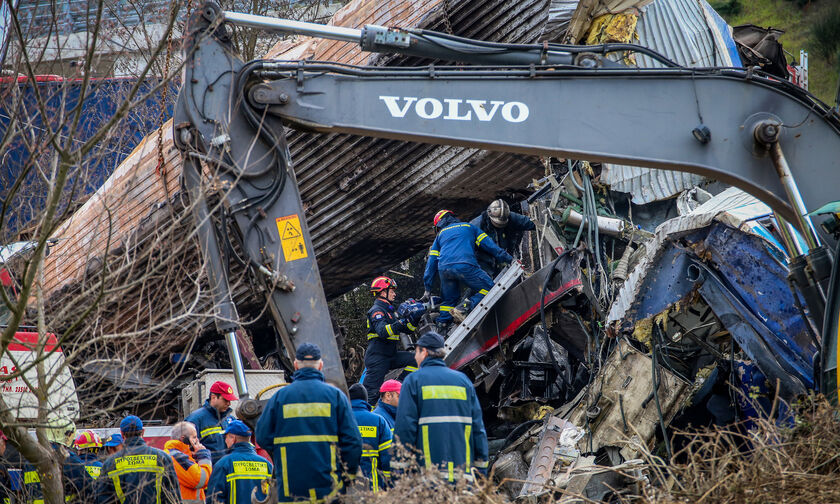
x,y
499,213
382,283
87,439
61,430
440,214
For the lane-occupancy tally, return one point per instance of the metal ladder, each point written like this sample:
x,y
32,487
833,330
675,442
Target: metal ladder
x,y
503,282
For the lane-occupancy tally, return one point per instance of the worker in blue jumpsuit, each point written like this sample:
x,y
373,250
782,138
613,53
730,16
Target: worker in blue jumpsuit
x,y
453,256
239,472
309,429
376,440
506,228
78,484
439,415
384,328
212,418
389,399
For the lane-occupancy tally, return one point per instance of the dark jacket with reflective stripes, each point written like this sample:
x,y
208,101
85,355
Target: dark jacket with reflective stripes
x,y
210,425
506,238
384,328
456,243
309,429
93,465
78,484
388,412
237,474
376,443
138,474
440,416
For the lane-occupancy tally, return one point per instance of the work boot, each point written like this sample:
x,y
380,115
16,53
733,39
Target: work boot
x,y
457,315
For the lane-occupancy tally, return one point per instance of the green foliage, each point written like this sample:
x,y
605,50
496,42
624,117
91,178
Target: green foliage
x,y
826,34
727,7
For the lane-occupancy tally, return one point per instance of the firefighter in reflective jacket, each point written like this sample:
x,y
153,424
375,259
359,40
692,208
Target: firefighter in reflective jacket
x,y
240,471
384,330
453,256
212,418
309,429
78,484
137,474
439,415
506,228
376,439
88,444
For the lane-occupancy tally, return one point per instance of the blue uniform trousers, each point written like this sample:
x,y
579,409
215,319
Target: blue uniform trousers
x,y
451,280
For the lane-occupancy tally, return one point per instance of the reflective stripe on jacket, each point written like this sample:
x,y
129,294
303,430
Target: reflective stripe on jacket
x,y
210,425
456,243
138,474
237,474
439,415
384,328
93,465
193,471
78,484
376,443
309,429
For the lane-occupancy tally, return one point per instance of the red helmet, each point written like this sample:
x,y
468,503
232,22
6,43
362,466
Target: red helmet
x,y
87,439
382,283
440,214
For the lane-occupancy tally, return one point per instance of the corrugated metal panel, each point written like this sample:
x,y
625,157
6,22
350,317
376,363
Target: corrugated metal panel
x,y
559,15
369,202
680,30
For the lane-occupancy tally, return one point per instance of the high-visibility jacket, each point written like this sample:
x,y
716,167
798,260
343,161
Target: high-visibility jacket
x,y
388,412
210,425
78,484
237,474
376,443
138,474
507,238
456,243
309,429
193,470
93,465
439,415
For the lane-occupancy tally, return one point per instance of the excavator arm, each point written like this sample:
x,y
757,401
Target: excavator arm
x,y
765,136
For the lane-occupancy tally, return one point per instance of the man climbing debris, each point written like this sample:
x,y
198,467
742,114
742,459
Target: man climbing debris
x,y
384,328
506,228
453,257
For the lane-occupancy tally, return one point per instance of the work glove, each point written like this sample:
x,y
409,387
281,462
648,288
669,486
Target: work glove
x,y
426,297
507,258
416,315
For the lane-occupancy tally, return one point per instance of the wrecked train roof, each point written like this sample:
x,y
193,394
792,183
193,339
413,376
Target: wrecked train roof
x,y
368,201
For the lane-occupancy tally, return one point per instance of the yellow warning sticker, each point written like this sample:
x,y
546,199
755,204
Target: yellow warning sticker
x,y
291,237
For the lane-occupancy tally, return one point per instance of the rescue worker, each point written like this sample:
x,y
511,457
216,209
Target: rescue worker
x,y
212,418
376,440
87,445
191,460
389,398
309,429
240,471
6,492
452,255
137,474
78,484
384,328
439,414
506,228
113,444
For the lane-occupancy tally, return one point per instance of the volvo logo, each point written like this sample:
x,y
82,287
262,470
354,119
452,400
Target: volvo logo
x,y
455,109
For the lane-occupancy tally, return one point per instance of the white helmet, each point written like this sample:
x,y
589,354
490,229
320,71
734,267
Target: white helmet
x,y
499,213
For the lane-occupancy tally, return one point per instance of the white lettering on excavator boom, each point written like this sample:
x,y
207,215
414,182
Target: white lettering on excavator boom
x,y
432,108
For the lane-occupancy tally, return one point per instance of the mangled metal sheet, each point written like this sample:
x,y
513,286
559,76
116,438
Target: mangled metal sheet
x,y
692,34
739,274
